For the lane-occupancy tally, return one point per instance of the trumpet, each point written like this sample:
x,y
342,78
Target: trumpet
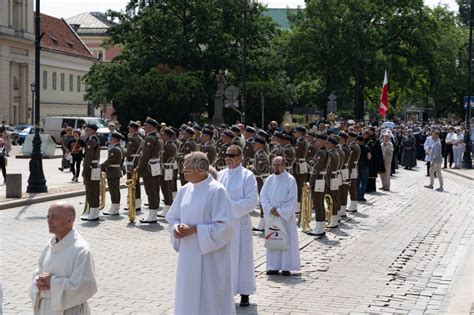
x,y
306,207
131,185
329,206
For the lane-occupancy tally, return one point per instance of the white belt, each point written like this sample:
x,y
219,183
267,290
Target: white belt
x,y
134,155
322,173
302,160
114,165
95,161
153,160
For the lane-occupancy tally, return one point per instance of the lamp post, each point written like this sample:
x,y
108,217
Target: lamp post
x,y
467,161
37,181
249,8
32,86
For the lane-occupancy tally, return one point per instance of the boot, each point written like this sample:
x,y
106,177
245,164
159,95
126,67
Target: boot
x,y
261,225
352,206
333,222
151,218
114,209
92,216
319,229
342,212
165,211
138,204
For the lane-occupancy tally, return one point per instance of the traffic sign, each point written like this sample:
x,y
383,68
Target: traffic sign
x,y
332,107
332,97
465,102
231,93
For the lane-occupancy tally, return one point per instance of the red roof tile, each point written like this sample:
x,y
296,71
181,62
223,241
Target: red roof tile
x,y
59,37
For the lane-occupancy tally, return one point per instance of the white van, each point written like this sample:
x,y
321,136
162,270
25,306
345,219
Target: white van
x,y
55,125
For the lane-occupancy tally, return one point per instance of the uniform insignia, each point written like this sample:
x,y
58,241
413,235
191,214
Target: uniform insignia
x,y
148,143
111,154
88,146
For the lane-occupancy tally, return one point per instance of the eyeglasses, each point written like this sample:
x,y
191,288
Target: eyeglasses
x,y
231,155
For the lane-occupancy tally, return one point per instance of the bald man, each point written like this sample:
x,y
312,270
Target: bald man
x,y
64,279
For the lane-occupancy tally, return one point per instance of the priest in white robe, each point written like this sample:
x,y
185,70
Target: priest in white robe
x,y
200,229
64,279
278,197
241,185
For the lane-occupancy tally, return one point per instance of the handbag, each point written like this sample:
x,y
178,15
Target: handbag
x,y
276,237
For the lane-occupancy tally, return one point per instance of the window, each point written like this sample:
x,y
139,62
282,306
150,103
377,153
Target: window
x,y
69,122
62,81
54,81
78,83
71,82
45,80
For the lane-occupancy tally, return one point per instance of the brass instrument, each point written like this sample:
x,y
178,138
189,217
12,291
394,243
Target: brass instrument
x,y
306,207
329,206
131,185
102,191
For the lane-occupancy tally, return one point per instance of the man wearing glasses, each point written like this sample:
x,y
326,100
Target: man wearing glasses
x,y
241,186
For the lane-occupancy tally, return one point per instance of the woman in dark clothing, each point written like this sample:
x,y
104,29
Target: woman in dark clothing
x,y
75,147
3,159
376,164
409,151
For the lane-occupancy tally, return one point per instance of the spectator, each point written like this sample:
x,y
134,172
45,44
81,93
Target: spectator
x,y
76,147
3,159
387,152
66,136
436,160
458,147
409,150
362,168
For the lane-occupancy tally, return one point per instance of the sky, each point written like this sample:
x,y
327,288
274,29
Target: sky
x,y
69,8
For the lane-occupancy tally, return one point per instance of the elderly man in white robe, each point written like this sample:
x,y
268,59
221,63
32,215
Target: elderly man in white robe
x,y
241,185
200,227
64,279
278,197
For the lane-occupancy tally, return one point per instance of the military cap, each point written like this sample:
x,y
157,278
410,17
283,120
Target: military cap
x,y
190,131
207,131
183,127
352,134
250,129
313,134
300,129
344,135
322,136
133,124
333,139
287,137
229,134
279,135
169,132
175,130
259,139
117,135
360,138
224,126
151,121
234,128
92,126
262,133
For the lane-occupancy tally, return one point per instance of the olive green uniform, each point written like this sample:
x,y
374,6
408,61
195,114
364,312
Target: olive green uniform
x,y
261,169
290,158
210,149
91,160
249,155
113,170
134,147
345,174
332,174
353,170
321,161
166,178
300,167
219,163
174,183
151,153
187,147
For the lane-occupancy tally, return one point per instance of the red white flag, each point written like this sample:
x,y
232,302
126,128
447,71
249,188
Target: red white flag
x,y
383,106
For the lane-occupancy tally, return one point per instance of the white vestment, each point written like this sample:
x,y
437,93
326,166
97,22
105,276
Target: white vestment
x,y
281,192
241,186
70,263
203,277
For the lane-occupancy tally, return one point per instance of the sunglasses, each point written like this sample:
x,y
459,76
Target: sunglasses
x,y
231,155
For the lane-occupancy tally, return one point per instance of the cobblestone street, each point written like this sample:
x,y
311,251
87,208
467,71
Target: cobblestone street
x,y
401,253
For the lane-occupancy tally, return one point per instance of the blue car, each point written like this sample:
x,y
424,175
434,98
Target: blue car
x,y
23,133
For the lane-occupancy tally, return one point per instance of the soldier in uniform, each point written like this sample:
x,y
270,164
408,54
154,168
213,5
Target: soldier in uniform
x,y
113,169
166,178
226,140
208,146
318,181
288,153
300,167
276,148
265,136
345,172
91,161
249,153
177,143
189,145
238,138
333,188
149,168
342,159
134,147
261,169
353,171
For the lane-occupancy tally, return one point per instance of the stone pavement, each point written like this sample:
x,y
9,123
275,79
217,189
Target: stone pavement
x,y
399,254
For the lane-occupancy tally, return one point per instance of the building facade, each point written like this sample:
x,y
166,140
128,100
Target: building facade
x,y
16,60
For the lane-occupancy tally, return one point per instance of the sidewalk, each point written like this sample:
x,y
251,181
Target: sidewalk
x,y
468,174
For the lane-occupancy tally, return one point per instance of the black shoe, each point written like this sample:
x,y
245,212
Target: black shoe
x,y
150,222
286,273
363,200
146,204
256,230
138,209
86,219
244,300
272,272
60,168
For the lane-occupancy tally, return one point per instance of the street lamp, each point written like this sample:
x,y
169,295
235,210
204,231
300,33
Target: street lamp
x,y
249,8
467,160
37,181
32,86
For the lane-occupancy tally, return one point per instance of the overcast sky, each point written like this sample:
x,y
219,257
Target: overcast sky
x,y
68,8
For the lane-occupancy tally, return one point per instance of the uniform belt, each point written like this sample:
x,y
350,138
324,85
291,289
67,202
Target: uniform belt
x,y
134,155
153,160
95,161
302,160
322,173
114,165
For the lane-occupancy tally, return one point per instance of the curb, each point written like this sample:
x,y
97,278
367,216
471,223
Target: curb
x,y
27,201
458,174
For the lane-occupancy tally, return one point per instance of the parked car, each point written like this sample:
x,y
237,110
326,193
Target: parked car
x,y
26,131
54,126
12,134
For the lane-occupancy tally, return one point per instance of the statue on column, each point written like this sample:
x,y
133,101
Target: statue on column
x,y
218,119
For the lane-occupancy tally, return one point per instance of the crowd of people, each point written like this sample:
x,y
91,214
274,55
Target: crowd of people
x,y
227,172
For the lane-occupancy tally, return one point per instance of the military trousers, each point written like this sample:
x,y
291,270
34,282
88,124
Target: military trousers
x,y
92,192
152,189
300,180
167,190
114,189
318,205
